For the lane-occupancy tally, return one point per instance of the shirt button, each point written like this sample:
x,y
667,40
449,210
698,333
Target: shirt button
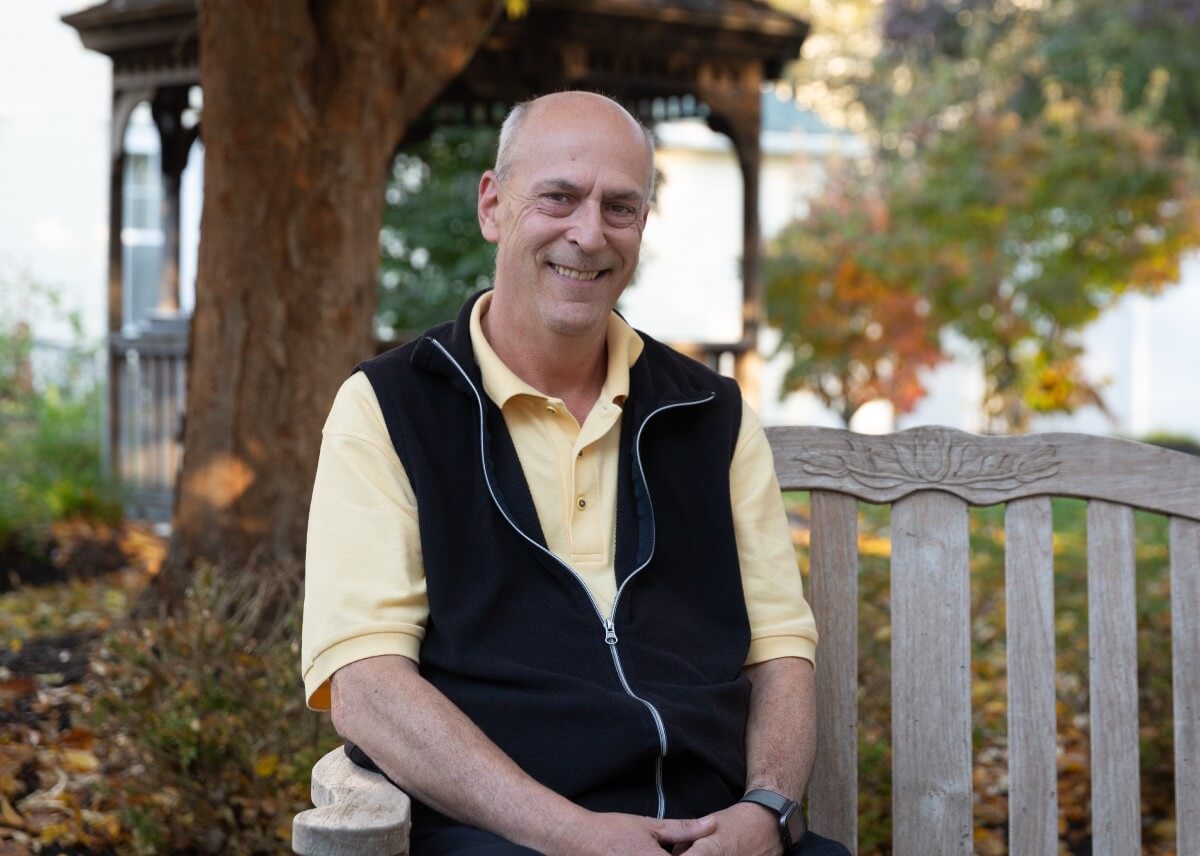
x,y
582,503
580,454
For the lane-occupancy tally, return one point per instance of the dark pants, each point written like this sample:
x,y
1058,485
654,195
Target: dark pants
x,y
476,842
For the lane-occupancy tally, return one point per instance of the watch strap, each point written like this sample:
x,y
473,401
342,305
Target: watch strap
x,y
791,822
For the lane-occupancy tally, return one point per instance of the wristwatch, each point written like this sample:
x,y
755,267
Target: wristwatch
x,y
791,820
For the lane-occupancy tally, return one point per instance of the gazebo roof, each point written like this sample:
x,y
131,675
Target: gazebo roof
x,y
636,50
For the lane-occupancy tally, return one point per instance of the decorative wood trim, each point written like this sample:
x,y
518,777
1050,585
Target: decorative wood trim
x,y
987,470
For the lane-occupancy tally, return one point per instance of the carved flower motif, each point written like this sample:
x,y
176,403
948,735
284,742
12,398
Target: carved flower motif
x,y
930,457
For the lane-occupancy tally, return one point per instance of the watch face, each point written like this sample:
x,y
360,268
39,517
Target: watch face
x,y
793,822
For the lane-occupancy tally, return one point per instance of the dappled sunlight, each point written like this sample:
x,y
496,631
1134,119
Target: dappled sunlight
x,y
220,481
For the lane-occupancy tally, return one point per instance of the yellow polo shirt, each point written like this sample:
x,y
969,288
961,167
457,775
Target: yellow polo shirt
x,y
364,577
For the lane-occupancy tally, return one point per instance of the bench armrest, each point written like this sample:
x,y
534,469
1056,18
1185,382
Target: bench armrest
x,y
357,812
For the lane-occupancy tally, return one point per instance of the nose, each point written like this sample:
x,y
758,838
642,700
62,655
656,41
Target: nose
x,y
587,228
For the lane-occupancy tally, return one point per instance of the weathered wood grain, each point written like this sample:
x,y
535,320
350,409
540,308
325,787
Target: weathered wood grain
x,y
833,588
1185,644
357,812
987,470
1029,601
1112,655
931,676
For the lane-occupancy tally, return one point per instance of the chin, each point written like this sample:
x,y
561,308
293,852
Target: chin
x,y
576,320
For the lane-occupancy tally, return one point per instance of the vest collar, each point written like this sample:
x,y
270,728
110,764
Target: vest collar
x,y
653,383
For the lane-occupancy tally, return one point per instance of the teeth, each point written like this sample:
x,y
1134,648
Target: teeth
x,y
571,273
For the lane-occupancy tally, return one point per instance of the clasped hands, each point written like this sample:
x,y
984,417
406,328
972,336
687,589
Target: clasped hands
x,y
742,829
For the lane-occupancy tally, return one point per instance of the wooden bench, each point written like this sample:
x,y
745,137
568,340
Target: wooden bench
x,y
929,476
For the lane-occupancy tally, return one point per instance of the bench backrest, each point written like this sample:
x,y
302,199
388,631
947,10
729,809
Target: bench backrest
x,y
930,476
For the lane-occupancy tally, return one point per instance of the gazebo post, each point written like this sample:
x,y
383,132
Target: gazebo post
x,y
123,103
737,112
167,108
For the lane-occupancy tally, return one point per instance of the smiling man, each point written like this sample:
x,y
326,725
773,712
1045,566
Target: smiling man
x,y
551,590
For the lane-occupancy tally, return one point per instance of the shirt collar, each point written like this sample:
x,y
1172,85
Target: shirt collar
x,y
501,383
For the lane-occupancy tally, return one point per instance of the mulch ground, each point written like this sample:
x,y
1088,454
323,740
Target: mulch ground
x,y
55,796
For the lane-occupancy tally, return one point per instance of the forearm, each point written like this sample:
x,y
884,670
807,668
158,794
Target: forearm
x,y
427,745
781,727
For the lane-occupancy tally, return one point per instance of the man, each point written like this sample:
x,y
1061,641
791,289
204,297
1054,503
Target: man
x,y
550,588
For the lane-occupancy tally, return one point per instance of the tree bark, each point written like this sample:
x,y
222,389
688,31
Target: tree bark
x,y
304,106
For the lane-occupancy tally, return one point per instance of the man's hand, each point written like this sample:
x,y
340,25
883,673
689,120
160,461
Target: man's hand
x,y
612,834
743,829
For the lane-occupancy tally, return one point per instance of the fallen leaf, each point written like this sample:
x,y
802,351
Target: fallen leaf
x,y
80,761
77,738
9,815
266,765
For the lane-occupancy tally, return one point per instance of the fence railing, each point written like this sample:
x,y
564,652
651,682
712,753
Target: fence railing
x,y
147,394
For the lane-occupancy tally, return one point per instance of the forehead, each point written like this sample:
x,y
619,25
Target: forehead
x,y
580,142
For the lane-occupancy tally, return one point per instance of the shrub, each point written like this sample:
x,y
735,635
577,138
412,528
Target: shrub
x,y
207,708
1178,442
50,461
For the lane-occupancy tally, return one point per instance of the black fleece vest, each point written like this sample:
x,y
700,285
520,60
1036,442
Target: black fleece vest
x,y
640,711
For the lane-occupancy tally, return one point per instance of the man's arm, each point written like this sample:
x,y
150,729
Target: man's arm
x,y
780,744
781,724
429,747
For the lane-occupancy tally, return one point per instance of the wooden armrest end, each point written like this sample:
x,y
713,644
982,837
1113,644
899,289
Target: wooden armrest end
x,y
357,812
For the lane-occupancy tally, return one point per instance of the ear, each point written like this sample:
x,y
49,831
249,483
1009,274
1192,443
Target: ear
x,y
489,201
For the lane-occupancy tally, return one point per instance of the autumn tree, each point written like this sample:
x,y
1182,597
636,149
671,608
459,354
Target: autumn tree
x,y
852,333
1021,232
304,107
1023,192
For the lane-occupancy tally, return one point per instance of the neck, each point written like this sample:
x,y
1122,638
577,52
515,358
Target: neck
x,y
571,368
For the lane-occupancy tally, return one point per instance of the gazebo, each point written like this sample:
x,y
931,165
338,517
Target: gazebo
x,y
662,58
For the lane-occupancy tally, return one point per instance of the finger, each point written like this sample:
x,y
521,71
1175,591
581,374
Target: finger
x,y
683,831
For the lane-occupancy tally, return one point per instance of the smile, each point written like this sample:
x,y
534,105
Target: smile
x,y
571,273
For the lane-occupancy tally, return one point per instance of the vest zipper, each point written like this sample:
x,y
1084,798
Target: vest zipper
x,y
609,623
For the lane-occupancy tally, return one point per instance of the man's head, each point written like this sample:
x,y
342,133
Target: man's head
x,y
566,206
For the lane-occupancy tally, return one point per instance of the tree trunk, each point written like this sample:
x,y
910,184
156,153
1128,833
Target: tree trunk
x,y
304,106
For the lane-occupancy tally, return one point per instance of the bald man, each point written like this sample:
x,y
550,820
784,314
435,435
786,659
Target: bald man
x,y
551,591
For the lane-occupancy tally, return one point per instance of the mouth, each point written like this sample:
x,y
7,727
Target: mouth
x,y
575,274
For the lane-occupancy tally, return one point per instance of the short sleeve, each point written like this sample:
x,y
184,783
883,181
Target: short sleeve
x,y
364,580
781,622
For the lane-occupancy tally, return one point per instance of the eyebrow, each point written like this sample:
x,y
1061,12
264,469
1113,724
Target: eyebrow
x,y
572,188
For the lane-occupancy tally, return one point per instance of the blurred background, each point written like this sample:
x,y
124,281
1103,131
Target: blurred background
x,y
874,213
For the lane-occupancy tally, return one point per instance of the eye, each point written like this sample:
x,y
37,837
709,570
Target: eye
x,y
557,196
621,214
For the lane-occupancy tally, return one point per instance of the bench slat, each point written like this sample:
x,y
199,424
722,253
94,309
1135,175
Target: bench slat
x,y
833,587
1185,643
931,676
1112,647
1029,594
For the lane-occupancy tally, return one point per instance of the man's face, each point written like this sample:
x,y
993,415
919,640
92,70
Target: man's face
x,y
568,218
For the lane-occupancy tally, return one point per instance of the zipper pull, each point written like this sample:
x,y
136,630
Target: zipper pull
x,y
610,632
